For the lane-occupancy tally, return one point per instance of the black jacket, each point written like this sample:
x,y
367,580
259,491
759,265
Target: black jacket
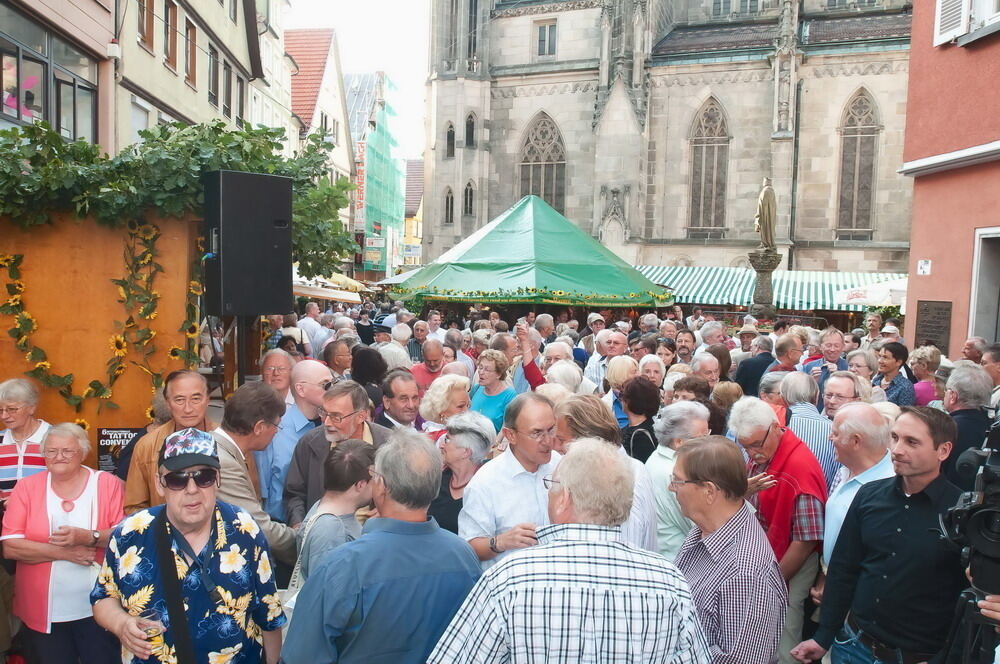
x,y
749,372
973,424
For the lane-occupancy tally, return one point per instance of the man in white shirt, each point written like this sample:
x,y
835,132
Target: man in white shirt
x,y
609,344
506,499
310,323
434,329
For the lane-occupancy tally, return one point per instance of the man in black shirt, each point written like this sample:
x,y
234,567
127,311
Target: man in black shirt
x,y
893,582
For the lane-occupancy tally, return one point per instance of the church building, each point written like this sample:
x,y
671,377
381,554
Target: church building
x,y
653,123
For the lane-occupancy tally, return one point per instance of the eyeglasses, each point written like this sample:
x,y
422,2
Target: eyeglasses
x,y
483,369
11,410
673,481
277,370
547,482
837,397
52,454
757,446
178,480
336,419
538,435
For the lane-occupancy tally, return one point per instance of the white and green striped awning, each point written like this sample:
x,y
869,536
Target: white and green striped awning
x,y
799,290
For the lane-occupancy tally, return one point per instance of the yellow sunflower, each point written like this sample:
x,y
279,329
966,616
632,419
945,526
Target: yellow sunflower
x,y
119,369
26,321
14,300
18,286
6,260
44,366
132,225
196,288
150,415
152,333
121,293
191,331
150,316
148,231
145,258
119,346
82,423
175,352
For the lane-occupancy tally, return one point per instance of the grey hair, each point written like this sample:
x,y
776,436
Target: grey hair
x,y
436,397
869,358
867,423
348,337
702,357
750,415
543,320
326,319
598,480
671,379
68,430
565,373
277,352
472,431
771,382
535,337
971,385
554,346
410,466
19,390
651,319
565,338
676,420
652,359
340,322
712,325
763,343
401,332
979,343
603,335
799,387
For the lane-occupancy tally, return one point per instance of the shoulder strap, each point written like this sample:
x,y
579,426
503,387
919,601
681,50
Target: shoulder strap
x,y
179,629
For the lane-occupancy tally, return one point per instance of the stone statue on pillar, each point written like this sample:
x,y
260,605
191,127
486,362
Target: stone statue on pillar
x,y
766,259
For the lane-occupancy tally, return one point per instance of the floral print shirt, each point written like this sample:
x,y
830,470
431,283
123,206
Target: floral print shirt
x,y
227,631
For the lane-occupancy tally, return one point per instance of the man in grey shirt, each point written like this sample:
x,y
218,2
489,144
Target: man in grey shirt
x,y
331,521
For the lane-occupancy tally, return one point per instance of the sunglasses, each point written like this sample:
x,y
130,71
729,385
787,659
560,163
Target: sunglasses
x,y
178,480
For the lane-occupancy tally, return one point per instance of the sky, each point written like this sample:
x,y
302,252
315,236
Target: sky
x,y
386,35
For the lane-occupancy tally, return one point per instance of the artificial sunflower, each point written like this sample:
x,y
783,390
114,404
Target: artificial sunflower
x,y
191,331
132,225
145,258
106,394
26,322
6,260
175,352
18,286
121,293
118,370
152,333
82,423
14,300
150,316
43,365
148,231
119,346
195,288
150,415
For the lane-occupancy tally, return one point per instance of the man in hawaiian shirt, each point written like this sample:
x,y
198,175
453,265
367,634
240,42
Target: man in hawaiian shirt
x,y
228,588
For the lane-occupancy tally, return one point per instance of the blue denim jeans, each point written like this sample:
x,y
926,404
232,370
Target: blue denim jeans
x,y
848,649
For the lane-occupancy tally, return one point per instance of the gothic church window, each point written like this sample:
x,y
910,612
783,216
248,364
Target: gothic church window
x,y
546,33
858,146
468,200
472,49
449,206
709,170
543,163
449,149
470,131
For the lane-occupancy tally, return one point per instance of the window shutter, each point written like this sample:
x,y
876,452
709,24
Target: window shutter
x,y
951,20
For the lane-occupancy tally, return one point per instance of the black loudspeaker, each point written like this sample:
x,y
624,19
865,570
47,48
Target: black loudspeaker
x,y
248,238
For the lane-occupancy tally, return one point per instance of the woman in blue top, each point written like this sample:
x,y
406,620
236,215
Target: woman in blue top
x,y
898,388
491,396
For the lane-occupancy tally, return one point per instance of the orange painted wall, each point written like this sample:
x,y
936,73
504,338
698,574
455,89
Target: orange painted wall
x,y
953,93
67,270
947,209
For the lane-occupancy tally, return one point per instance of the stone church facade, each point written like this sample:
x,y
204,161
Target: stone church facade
x,y
652,123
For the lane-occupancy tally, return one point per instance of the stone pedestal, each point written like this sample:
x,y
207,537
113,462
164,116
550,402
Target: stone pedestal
x,y
765,262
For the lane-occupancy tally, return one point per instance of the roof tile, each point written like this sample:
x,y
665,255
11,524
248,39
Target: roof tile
x,y
311,50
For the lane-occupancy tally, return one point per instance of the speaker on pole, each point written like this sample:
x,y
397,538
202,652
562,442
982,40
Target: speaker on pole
x,y
248,238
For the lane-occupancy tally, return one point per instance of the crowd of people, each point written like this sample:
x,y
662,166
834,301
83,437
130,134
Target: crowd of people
x,y
465,488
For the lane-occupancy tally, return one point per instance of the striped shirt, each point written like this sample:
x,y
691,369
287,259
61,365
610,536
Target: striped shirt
x,y
20,461
813,429
579,597
737,588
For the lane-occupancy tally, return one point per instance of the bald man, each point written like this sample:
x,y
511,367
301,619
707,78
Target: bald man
x,y
310,380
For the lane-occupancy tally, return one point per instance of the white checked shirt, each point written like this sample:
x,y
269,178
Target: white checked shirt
x,y
738,589
579,597
501,495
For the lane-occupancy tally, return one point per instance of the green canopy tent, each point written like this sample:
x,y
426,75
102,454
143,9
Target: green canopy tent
x,y
532,254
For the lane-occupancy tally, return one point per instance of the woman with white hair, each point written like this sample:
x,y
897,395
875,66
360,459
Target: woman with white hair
x,y
464,448
652,368
57,524
620,370
23,433
677,423
448,395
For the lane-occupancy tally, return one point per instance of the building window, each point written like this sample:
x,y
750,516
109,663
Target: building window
x,y
452,38
213,76
43,78
449,206
858,146
190,52
546,34
470,131
472,50
232,10
449,149
227,90
543,163
468,200
709,169
749,6
144,22
170,33
324,122
721,7
241,94
140,118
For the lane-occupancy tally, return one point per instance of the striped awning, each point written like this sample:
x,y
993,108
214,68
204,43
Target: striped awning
x,y
799,290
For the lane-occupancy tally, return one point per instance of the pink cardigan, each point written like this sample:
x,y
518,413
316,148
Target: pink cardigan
x,y
28,518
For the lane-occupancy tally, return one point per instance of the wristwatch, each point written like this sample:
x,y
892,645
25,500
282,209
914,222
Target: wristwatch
x,y
493,545
96,534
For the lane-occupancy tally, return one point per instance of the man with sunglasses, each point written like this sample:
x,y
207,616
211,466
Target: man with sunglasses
x,y
225,601
310,380
788,490
346,415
